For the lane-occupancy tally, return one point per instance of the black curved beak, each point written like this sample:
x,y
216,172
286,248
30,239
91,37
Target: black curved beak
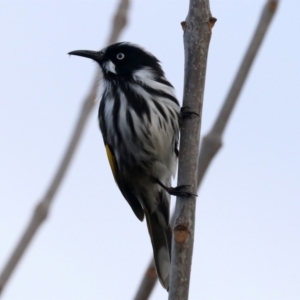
x,y
94,55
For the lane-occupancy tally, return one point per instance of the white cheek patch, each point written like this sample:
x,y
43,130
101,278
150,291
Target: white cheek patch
x,y
144,74
110,67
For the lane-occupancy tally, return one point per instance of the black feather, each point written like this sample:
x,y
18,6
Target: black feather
x,y
160,109
130,123
137,102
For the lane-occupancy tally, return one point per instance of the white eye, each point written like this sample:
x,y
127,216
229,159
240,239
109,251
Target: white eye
x,y
120,56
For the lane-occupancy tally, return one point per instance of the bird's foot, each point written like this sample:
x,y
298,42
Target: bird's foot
x,y
179,190
187,113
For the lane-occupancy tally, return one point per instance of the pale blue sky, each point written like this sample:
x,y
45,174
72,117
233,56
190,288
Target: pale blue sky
x,y
92,246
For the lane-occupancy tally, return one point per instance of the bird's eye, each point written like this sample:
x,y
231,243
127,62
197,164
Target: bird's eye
x,y
120,56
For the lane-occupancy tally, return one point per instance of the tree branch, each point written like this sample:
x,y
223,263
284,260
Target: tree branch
x,y
42,209
211,143
197,33
148,282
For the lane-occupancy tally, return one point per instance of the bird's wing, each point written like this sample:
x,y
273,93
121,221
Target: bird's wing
x,y
124,186
111,160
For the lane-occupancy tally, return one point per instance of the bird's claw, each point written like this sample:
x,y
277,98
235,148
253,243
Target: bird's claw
x,y
186,112
179,190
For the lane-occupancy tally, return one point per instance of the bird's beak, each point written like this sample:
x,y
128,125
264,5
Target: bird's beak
x,y
94,55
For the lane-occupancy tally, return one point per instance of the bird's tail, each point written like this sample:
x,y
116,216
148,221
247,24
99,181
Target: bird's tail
x,y
161,243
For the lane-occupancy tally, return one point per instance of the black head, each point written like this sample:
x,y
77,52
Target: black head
x,y
122,59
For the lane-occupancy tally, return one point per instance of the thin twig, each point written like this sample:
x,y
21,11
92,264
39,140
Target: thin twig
x,y
42,209
197,33
211,143
148,282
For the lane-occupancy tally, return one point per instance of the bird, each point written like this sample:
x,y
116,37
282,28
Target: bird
x,y
140,118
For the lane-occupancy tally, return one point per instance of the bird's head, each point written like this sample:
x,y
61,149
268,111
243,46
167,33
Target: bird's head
x,y
123,60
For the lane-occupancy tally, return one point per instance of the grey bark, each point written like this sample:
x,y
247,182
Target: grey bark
x,y
197,33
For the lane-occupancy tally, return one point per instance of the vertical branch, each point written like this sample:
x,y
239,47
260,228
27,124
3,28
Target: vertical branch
x,y
42,209
197,33
212,142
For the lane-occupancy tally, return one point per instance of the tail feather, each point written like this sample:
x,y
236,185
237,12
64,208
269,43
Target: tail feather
x,y
161,243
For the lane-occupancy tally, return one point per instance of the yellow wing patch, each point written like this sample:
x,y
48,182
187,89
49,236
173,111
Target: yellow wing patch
x,y
112,160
